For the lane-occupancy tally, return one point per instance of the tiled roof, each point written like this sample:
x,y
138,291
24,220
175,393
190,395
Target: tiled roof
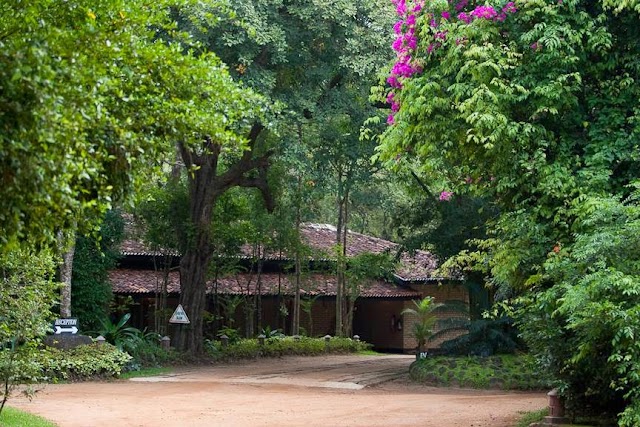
x,y
322,237
128,281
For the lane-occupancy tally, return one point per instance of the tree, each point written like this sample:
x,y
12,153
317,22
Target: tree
x,y
27,293
534,105
290,53
117,107
102,102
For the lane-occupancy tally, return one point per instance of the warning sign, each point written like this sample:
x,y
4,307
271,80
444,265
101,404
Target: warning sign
x,y
179,316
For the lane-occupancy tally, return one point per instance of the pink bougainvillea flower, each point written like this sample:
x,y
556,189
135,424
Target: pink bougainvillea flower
x,y
394,82
484,12
390,97
534,46
412,43
395,107
445,196
397,44
401,9
391,120
464,18
441,35
397,27
511,7
446,15
411,20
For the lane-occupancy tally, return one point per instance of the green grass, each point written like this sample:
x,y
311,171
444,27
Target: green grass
x,y
506,372
532,417
12,417
145,372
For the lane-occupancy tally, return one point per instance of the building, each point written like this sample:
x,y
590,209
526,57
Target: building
x,y
269,293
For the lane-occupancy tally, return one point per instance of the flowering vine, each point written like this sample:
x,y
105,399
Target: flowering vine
x,y
406,41
404,45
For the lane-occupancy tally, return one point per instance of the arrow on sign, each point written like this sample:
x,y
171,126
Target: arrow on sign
x,y
71,330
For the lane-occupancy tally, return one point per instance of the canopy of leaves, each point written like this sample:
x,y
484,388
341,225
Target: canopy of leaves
x,y
89,93
94,256
537,110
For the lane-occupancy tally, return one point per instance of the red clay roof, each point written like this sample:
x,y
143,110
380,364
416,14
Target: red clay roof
x,y
321,238
133,281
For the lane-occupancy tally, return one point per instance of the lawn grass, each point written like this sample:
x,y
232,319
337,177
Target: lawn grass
x,y
505,372
532,417
12,417
145,372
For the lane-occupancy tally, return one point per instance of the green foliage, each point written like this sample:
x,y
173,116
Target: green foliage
x,y
94,256
11,417
80,363
482,337
91,94
423,327
143,346
532,417
283,346
232,334
118,334
539,114
501,372
591,316
27,293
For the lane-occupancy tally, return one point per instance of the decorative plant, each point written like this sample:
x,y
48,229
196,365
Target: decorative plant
x,y
118,334
424,326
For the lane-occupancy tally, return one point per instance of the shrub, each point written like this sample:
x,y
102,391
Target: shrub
x,y
143,346
497,372
282,346
83,362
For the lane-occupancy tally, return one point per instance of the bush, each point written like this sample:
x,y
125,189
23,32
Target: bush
x,y
143,346
83,362
505,372
282,346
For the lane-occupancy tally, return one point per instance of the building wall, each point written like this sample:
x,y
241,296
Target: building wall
x,y
379,322
376,320
442,293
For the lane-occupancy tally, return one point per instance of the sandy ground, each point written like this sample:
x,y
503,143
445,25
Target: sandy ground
x,y
293,391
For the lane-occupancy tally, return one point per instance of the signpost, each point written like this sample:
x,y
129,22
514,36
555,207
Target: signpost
x,y
68,326
179,316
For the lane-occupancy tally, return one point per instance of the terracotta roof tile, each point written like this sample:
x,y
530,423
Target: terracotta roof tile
x,y
321,237
126,281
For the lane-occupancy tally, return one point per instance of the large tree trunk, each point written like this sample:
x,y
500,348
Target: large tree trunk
x,y
194,264
193,268
206,184
67,245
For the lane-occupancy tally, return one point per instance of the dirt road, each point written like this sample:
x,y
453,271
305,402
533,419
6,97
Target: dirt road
x,y
317,391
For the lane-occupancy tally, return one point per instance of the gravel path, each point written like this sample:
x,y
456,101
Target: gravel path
x,y
292,391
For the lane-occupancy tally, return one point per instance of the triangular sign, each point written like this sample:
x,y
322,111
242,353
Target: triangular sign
x,y
179,316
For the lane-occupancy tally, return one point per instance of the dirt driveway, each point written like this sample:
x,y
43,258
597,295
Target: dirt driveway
x,y
292,391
